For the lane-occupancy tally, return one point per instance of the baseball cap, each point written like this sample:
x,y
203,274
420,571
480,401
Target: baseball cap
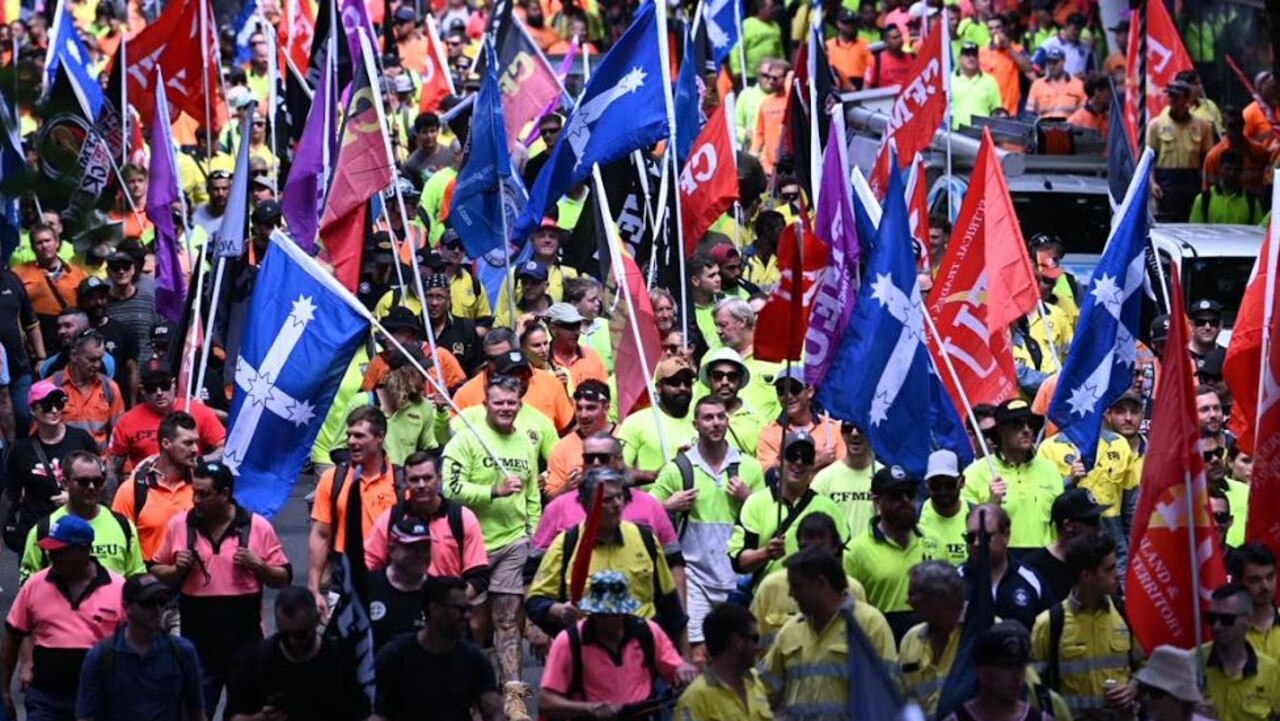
x,y
145,587
238,97
942,463
724,252
402,84
90,284
533,270
1005,644
156,377
68,531
267,213
968,47
564,313
1160,327
890,478
401,318
263,181
549,223
794,373
796,439
42,390
1016,409
846,16
672,367
1206,306
1075,504
118,254
511,361
1177,87
405,14
410,529
1129,396
1055,55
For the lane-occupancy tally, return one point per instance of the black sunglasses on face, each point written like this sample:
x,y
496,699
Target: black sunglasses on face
x,y
792,388
120,266
1206,322
54,404
86,481
1225,619
805,457
592,459
725,375
156,387
1222,517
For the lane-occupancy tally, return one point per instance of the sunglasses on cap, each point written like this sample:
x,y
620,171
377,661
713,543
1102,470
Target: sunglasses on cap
x,y
220,175
589,394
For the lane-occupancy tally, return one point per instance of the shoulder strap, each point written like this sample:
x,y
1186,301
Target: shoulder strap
x,y
43,457
125,527
650,547
397,480
141,487
1205,196
454,515
1057,619
53,287
108,392
244,526
575,689
566,555
685,466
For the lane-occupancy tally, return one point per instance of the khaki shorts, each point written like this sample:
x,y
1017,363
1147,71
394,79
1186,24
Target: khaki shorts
x,y
506,568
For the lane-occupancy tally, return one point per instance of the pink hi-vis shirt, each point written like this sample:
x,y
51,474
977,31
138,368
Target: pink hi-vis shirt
x,y
622,679
224,577
565,512
445,560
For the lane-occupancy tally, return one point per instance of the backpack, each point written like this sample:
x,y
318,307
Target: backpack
x,y
42,531
108,392
340,474
142,486
453,511
1052,677
571,545
685,466
638,627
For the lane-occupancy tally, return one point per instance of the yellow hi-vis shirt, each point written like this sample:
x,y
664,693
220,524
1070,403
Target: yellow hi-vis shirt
x,y
1254,694
773,606
1108,479
1095,646
1265,642
1028,498
647,577
920,675
708,699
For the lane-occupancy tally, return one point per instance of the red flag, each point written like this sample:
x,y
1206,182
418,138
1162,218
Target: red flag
x,y
784,320
709,180
1264,515
527,81
1166,57
586,546
172,43
437,83
918,214
919,109
984,283
1243,365
296,30
1160,582
364,167
637,319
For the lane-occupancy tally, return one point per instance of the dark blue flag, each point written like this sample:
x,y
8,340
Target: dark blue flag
x,y
1119,152
67,52
12,178
623,108
1104,352
962,683
689,120
302,330
721,18
477,212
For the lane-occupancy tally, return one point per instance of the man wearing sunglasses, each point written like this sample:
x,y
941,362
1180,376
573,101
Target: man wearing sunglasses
x,y
646,447
567,350
882,556
1015,477
115,543
1241,682
135,436
796,397
942,515
590,417
1206,326
129,301
848,481
1220,511
1017,592
724,376
1075,513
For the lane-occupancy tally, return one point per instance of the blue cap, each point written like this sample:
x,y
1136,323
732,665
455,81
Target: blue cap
x,y
68,531
533,270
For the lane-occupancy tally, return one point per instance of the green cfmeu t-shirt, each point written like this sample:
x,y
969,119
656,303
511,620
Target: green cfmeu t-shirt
x,y
645,447
116,548
470,476
850,490
758,523
529,421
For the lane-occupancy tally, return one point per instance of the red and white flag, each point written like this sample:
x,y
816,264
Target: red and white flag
x,y
709,180
1243,365
919,108
1173,510
918,213
1166,57
1264,513
173,44
437,82
784,320
984,283
296,30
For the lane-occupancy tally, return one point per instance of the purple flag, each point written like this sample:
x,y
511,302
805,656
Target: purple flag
x,y
354,16
836,291
162,193
303,196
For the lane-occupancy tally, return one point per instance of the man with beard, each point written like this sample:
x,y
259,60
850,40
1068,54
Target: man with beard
x,y
122,344
1212,425
645,446
72,322
455,333
209,216
134,437
705,488
1013,476
725,375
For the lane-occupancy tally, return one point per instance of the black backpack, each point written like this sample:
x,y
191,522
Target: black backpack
x,y
340,473
571,545
685,466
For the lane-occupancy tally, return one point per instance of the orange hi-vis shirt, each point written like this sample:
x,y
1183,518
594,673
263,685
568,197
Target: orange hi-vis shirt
x,y
166,498
546,394
849,59
768,132
377,495
584,365
1000,65
379,369
95,409
50,293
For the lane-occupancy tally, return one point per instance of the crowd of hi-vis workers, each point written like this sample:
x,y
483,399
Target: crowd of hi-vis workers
x,y
723,548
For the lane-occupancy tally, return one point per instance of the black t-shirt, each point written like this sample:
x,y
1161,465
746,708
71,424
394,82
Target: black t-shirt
x,y
392,611
16,314
414,683
1055,574
460,338
324,687
32,480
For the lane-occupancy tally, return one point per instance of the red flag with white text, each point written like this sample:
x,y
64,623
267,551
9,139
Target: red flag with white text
x,y
783,322
1173,509
173,44
709,179
1166,57
295,32
919,108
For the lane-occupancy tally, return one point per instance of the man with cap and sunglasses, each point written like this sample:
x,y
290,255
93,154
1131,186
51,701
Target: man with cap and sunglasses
x,y
1075,513
1058,94
942,516
881,556
66,610
1014,477
220,556
974,93
768,525
532,295
591,416
651,436
796,397
1206,326
115,544
135,438
582,362
1181,142
1002,656
121,343
848,481
140,671
35,474
583,676
396,591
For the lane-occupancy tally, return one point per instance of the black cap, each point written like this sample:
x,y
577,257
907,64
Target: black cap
x,y
1016,409
1005,644
267,213
401,318
511,361
1206,306
1160,327
1177,87
91,284
846,16
405,14
144,587
1075,504
968,47
891,478
156,377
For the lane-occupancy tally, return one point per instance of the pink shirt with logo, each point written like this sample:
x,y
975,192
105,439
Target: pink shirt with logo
x,y
445,559
566,512
224,577
42,610
605,678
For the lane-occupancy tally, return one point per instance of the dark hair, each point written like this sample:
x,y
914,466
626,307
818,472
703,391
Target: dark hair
x,y
172,422
1252,553
500,335
770,224
940,221
593,479
41,228
1086,553
706,401
1095,83
1204,390
372,415
575,289
818,522
417,458
437,590
1231,156
819,563
1220,493
698,263
982,411
722,623
294,600
1231,590
426,121
594,387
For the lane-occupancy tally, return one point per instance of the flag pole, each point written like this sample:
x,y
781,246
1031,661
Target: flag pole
x,y
1048,333
188,363
395,251
124,92
738,10
417,282
946,85
668,99
204,84
273,70
213,314
615,261
964,397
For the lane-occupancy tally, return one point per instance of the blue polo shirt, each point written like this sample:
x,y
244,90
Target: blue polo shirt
x,y
147,687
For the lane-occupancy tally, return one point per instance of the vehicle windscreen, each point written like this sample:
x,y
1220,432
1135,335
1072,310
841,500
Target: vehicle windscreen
x,y
1081,220
1220,279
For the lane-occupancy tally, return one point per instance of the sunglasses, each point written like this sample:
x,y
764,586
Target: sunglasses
x,y
726,376
789,197
678,382
849,429
790,389
612,588
568,326
153,602
805,457
671,347
52,404
156,387
120,266
902,494
1206,321
1224,619
592,459
86,481
453,245
1211,456
1222,517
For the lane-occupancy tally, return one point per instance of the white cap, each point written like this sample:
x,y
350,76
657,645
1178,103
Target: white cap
x,y
918,9
942,463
